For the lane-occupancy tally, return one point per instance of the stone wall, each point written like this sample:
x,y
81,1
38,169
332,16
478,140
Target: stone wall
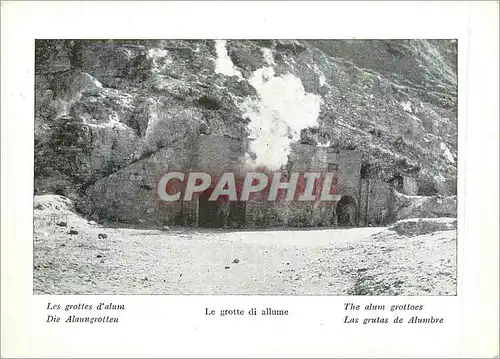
x,y
349,169
217,154
374,202
130,194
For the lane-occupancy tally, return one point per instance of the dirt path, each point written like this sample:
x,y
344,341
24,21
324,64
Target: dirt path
x,y
281,262
185,262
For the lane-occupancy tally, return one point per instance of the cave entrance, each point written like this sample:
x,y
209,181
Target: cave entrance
x,y
237,214
209,212
346,211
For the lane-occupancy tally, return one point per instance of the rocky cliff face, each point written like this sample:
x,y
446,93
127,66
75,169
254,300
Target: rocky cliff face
x,y
423,206
115,112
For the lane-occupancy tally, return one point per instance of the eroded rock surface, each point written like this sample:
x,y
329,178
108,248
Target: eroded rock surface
x,y
423,206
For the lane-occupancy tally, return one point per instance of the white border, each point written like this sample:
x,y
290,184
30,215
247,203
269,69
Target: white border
x,y
174,326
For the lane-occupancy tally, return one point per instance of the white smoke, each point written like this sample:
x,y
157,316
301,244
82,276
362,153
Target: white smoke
x,y
268,56
223,63
282,110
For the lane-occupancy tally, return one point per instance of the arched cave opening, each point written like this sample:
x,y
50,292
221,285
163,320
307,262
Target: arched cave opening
x,y
346,211
209,213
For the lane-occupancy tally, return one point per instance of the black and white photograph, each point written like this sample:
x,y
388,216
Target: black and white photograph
x,y
258,179
246,167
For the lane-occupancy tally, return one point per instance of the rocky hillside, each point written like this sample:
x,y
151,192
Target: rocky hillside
x,y
104,106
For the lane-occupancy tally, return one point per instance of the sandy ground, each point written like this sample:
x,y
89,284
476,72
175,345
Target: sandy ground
x,y
355,261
